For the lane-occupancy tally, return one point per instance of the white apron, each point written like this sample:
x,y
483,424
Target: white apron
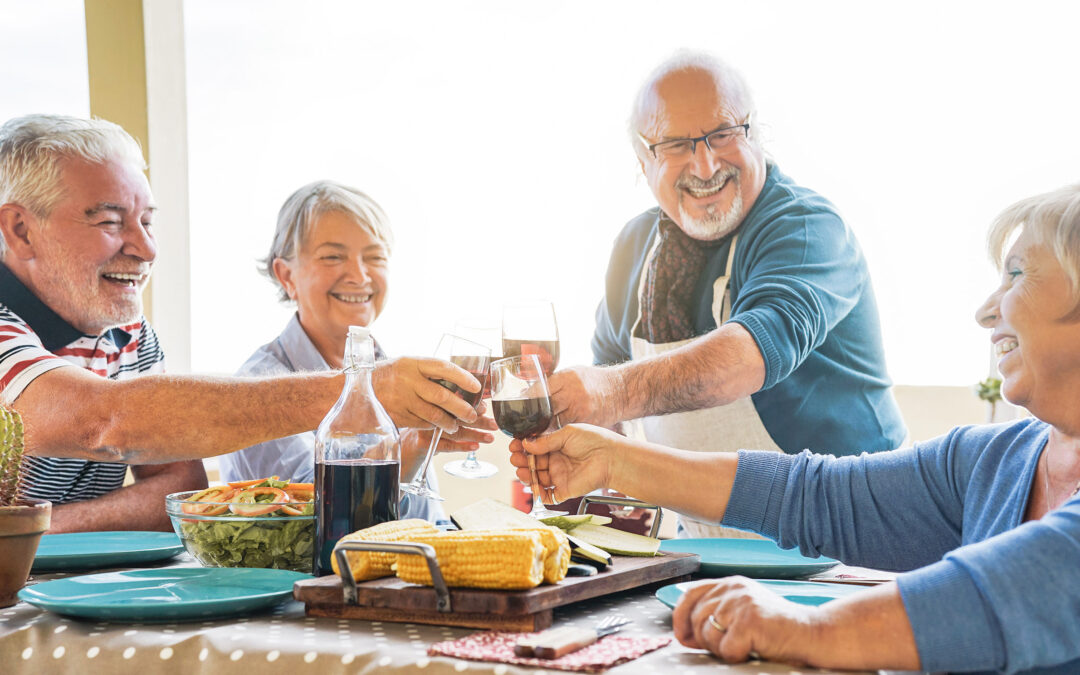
x,y
725,428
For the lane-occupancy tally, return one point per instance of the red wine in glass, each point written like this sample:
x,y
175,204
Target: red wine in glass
x,y
546,350
522,417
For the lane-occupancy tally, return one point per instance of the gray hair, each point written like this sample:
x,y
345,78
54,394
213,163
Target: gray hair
x,y
32,148
684,60
310,202
1054,219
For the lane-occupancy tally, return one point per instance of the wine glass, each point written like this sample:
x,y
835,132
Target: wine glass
x,y
521,406
485,333
530,328
473,357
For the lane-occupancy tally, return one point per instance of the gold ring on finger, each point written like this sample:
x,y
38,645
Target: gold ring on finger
x,y
716,624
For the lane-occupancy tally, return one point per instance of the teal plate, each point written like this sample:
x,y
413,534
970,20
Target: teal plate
x,y
755,558
803,592
95,550
165,595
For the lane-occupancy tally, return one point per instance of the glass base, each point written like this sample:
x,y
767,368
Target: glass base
x,y
421,490
464,468
540,510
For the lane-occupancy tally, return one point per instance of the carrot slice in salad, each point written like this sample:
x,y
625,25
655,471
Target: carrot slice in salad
x,y
244,502
217,493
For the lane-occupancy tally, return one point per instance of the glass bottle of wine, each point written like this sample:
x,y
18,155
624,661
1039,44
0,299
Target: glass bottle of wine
x,y
357,456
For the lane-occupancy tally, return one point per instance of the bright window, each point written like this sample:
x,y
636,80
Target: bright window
x,y
494,135
43,59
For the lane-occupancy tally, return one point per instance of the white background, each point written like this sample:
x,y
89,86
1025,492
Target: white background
x,y
494,134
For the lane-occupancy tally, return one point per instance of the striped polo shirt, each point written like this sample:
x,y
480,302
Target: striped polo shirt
x,y
34,340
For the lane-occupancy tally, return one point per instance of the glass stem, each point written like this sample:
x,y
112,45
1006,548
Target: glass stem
x,y
470,460
435,436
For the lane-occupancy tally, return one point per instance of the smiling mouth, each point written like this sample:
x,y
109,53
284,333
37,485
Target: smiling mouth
x,y
1005,346
353,298
706,191
125,279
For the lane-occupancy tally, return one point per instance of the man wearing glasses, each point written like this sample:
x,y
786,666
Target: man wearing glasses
x,y
740,310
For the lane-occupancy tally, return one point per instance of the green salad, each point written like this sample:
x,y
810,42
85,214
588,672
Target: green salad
x,y
265,523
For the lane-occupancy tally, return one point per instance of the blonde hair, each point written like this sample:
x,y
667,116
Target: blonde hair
x,y
310,202
1054,219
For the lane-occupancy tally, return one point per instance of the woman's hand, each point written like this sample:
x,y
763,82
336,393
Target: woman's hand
x,y
415,442
574,460
753,622
406,388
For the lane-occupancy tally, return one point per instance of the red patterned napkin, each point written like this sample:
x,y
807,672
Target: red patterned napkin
x,y
606,652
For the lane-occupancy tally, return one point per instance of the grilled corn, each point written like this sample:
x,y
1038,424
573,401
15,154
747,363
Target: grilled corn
x,y
367,565
504,559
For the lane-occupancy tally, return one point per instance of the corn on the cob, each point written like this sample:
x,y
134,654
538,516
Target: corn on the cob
x,y
556,552
367,565
511,560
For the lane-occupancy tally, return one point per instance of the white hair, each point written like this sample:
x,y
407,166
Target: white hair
x,y
1054,219
310,202
726,77
32,148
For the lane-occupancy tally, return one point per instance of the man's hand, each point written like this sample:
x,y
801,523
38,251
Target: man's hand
x,y
753,622
587,394
415,442
574,460
406,389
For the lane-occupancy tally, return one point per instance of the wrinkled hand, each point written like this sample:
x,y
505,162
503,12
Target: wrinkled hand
x,y
574,460
587,394
415,442
757,622
406,388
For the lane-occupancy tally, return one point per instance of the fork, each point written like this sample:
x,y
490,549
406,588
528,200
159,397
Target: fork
x,y
556,642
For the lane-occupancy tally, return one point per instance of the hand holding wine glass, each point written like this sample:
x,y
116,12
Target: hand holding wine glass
x,y
522,407
485,333
472,357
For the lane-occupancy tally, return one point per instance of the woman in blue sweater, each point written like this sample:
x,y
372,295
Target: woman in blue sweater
x,y
984,522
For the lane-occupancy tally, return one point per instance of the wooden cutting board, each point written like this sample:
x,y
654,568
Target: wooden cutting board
x,y
391,599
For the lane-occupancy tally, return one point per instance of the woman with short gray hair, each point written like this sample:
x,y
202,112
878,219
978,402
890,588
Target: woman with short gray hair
x,y
330,256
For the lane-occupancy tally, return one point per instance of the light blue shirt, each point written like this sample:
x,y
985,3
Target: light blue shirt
x,y
293,457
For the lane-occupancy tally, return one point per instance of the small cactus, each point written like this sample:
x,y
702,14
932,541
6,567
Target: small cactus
x,y
11,455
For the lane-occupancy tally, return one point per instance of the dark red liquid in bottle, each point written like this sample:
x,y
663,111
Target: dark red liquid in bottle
x,y
353,494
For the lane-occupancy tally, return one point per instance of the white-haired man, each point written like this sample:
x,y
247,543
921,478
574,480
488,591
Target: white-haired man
x,y
740,309
82,365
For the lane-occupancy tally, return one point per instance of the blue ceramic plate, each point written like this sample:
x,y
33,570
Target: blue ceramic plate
x,y
755,558
165,595
94,550
803,592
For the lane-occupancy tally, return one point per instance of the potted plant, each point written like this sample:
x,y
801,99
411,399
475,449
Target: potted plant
x,y
22,520
989,390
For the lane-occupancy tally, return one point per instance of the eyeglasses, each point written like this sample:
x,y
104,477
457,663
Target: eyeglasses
x,y
680,149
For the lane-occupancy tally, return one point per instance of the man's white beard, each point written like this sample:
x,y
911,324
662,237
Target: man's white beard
x,y
713,225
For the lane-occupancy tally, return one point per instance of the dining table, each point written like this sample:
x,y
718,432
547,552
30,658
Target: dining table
x,y
284,640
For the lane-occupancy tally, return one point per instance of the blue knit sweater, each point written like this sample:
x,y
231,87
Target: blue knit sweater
x,y
983,590
801,287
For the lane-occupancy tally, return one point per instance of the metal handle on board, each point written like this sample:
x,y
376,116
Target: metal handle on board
x,y
348,584
623,501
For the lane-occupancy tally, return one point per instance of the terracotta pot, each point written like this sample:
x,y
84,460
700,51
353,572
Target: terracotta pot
x,y
21,527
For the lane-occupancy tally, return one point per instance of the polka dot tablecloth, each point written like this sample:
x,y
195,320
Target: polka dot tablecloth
x,y
283,640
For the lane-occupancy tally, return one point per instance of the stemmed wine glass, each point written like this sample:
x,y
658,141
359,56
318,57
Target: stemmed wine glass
x,y
473,357
521,406
529,327
487,334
